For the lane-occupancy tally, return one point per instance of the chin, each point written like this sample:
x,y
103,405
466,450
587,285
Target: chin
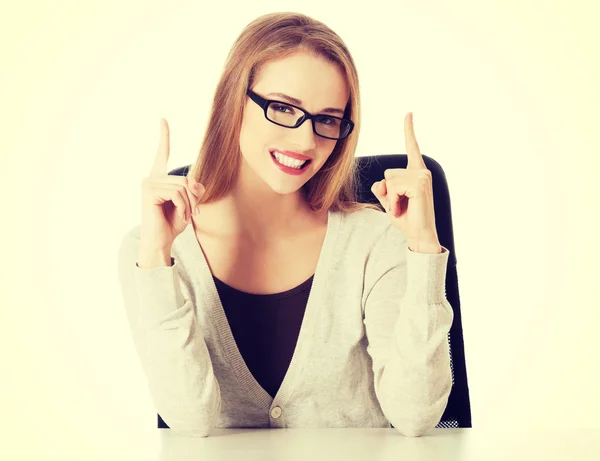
x,y
282,189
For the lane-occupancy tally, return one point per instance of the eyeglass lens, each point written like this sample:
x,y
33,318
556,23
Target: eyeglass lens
x,y
324,125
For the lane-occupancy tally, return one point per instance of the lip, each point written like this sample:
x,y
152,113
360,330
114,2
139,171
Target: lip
x,y
291,153
287,169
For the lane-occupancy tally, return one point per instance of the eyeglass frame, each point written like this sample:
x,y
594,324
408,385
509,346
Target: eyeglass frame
x,y
264,104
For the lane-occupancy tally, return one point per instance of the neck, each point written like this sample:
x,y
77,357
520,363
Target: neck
x,y
259,220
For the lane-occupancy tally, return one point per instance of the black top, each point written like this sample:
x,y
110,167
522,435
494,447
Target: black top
x,y
265,328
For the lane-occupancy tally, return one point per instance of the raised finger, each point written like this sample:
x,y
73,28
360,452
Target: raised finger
x,y
159,168
415,159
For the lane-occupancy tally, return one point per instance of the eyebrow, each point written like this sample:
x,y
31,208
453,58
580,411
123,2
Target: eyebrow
x,y
297,102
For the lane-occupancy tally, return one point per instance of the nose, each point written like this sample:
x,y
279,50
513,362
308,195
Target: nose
x,y
304,136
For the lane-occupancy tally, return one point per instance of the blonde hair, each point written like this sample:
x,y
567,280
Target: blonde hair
x,y
269,37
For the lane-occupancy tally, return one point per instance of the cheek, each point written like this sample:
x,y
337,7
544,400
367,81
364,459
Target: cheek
x,y
251,135
325,153
257,135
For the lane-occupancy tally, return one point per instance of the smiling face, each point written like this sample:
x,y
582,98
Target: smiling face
x,y
318,85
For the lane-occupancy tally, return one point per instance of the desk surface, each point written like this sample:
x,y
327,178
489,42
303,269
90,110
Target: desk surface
x,y
382,444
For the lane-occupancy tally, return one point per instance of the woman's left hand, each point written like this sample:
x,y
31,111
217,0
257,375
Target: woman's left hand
x,y
407,195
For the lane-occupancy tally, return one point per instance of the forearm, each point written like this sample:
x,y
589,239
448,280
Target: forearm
x,y
180,374
169,340
407,323
417,378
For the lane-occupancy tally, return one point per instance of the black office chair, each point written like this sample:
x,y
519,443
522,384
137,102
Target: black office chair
x,y
371,169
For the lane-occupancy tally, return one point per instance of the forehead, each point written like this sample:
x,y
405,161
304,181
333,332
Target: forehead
x,y
316,82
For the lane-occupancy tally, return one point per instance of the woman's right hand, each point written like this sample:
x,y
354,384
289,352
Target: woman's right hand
x,y
168,201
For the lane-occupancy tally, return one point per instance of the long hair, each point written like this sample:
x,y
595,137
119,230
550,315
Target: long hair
x,y
269,37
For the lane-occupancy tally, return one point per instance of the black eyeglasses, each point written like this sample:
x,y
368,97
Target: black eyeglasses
x,y
290,116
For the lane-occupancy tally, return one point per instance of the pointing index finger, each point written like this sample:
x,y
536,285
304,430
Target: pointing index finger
x,y
162,155
415,160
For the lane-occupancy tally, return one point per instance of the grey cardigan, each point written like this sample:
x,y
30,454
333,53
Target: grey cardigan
x,y
372,349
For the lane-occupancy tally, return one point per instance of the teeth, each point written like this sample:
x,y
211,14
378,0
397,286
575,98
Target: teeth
x,y
287,161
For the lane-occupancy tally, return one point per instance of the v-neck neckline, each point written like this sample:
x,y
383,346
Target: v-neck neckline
x,y
225,337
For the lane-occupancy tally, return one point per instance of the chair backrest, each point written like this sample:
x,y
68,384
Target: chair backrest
x,y
371,169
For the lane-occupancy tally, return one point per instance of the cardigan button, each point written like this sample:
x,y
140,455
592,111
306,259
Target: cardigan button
x,y
276,412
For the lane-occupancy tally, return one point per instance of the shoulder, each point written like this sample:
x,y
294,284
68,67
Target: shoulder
x,y
365,216
372,225
367,235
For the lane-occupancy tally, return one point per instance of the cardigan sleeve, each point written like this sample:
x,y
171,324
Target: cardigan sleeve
x,y
407,319
169,343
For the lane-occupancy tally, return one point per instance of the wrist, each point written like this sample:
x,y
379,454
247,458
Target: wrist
x,y
153,257
427,248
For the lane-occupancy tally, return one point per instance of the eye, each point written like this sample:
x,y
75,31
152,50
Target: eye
x,y
282,108
327,120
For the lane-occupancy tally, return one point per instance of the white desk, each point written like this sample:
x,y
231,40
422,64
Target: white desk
x,y
382,444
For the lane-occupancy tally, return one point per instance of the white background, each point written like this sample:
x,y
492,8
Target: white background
x,y
505,97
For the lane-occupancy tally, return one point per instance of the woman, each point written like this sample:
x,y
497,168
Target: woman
x,y
258,291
